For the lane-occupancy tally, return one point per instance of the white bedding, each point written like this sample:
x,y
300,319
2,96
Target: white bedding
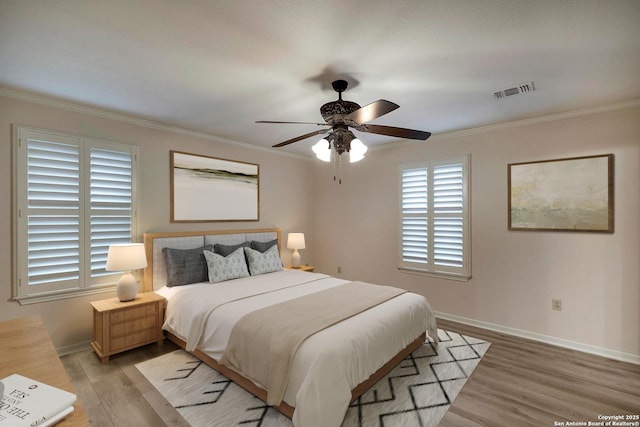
x,y
330,363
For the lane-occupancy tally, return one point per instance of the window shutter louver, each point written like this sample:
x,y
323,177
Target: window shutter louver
x,y
434,218
54,249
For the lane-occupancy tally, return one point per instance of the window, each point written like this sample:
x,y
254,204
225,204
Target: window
x,y
434,212
74,197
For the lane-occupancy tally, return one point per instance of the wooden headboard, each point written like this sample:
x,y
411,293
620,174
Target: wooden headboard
x,y
155,273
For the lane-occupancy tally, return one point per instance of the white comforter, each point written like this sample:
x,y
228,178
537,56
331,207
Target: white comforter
x,y
329,364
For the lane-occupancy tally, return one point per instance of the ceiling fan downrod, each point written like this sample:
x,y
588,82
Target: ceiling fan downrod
x,y
339,86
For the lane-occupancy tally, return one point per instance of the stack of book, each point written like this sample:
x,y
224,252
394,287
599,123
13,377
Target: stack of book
x,y
29,403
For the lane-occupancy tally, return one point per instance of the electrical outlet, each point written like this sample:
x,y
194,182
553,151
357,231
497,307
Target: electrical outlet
x,y
339,269
556,304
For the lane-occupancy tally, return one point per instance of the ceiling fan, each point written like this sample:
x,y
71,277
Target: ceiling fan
x,y
341,115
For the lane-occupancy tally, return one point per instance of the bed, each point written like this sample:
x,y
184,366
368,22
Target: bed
x,y
328,369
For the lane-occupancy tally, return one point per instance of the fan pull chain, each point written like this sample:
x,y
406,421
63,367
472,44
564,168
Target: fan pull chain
x,y
335,159
337,165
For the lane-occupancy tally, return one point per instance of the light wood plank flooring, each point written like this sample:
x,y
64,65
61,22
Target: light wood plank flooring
x,y
526,383
518,383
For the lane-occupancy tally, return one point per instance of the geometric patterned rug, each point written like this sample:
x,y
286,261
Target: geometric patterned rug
x,y
417,392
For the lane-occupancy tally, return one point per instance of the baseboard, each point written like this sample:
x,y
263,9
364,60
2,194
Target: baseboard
x,y
74,348
560,342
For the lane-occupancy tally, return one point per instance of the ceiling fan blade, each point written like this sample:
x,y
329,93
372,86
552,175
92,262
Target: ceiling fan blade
x,y
292,123
394,131
372,111
301,137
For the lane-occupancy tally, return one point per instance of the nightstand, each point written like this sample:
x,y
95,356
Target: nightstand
x,y
309,268
120,326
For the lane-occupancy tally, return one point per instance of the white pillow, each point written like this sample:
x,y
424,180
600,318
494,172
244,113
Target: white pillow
x,y
263,262
223,268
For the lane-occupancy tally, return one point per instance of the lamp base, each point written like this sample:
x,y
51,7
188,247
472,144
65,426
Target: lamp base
x,y
127,287
295,259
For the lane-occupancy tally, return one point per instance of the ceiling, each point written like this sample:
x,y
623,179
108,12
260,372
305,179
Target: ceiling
x,y
218,66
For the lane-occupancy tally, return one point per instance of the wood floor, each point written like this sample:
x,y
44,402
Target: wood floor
x,y
116,393
518,383
526,383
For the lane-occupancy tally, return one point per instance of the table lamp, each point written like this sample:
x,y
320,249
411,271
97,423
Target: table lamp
x,y
126,257
295,241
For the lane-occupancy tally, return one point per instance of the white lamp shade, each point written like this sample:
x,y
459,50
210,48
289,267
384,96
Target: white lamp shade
x,y
295,241
126,257
357,150
322,150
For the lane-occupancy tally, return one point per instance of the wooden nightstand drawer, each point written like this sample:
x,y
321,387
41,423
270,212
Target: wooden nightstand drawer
x,y
129,314
134,340
116,316
120,326
133,326
121,329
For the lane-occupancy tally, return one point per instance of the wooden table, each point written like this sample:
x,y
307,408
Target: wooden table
x,y
26,349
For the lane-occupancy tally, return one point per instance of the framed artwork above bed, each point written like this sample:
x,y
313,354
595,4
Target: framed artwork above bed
x,y
210,189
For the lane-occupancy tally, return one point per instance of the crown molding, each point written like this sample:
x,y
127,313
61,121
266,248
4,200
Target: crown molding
x,y
523,122
75,107
50,101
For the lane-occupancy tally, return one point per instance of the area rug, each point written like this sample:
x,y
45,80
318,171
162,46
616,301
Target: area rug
x,y
417,392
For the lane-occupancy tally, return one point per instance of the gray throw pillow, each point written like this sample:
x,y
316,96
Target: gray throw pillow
x,y
226,250
262,246
185,266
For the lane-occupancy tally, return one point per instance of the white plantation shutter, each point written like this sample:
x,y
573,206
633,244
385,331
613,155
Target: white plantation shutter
x,y
448,204
53,212
435,220
110,205
74,198
415,230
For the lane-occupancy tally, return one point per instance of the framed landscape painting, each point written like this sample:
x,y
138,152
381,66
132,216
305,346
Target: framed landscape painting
x,y
574,194
206,189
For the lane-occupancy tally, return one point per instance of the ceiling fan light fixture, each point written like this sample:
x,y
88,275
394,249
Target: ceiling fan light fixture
x,y
357,150
322,149
339,116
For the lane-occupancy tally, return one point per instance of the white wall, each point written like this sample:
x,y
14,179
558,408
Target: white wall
x,y
515,273
285,202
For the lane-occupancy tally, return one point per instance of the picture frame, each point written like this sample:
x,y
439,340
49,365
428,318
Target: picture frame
x,y
211,189
571,194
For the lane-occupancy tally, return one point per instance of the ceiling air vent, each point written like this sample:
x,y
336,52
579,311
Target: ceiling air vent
x,y
523,88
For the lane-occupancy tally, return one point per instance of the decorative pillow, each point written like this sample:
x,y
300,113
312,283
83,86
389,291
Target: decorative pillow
x,y
226,250
263,246
185,266
260,263
226,268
